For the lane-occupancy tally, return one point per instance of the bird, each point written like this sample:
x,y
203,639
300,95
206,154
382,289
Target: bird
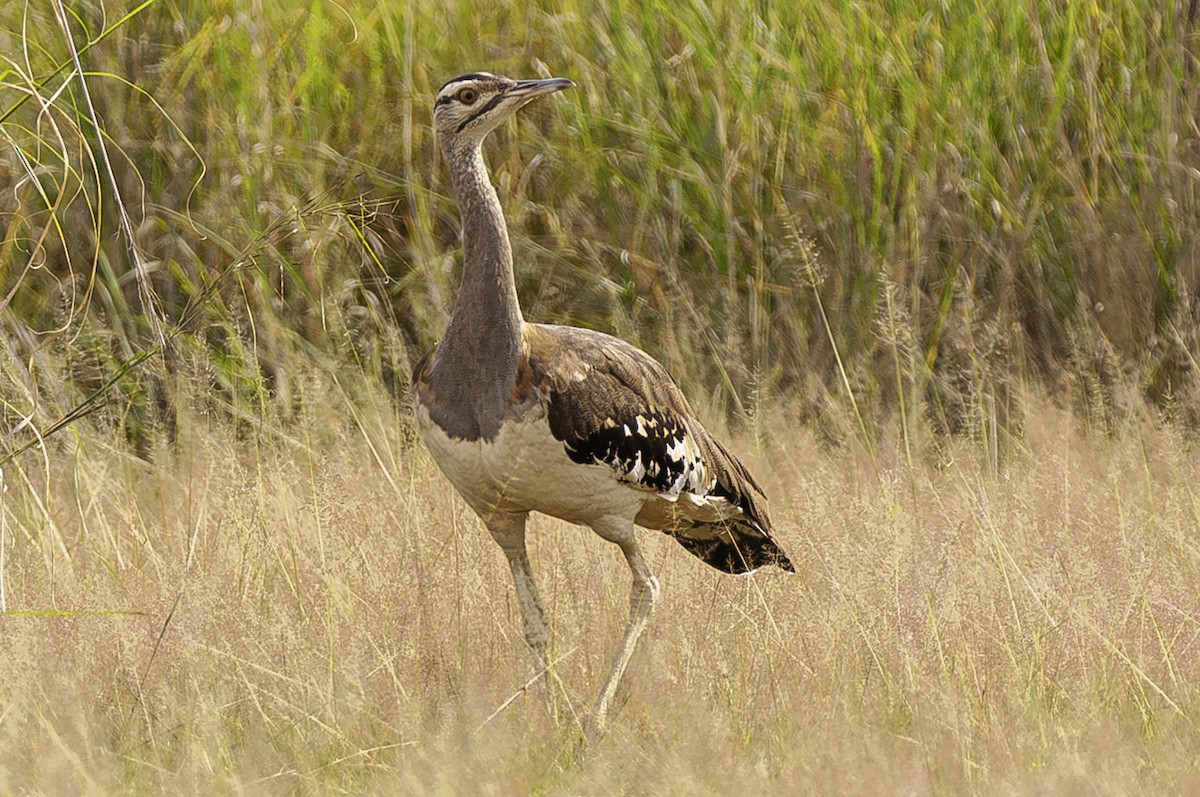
x,y
524,417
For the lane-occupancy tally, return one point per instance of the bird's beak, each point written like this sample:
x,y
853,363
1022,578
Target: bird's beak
x,y
529,90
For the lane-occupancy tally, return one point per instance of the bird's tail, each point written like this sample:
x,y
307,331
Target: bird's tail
x,y
734,546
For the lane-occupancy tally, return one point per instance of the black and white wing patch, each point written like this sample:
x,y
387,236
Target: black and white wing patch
x,y
652,450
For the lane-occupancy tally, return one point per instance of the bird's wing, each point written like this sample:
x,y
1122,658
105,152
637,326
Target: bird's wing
x,y
610,403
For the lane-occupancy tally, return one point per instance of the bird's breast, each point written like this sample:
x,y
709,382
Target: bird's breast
x,y
524,468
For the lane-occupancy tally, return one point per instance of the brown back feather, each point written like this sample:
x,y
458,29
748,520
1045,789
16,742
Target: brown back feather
x,y
611,403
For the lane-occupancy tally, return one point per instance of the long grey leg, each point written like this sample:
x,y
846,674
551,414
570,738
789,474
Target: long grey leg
x,y
642,597
509,531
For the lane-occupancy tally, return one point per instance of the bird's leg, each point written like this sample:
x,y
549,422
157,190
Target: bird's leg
x,y
509,532
642,598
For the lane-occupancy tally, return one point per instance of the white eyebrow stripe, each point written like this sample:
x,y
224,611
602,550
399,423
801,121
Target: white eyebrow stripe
x,y
450,90
455,84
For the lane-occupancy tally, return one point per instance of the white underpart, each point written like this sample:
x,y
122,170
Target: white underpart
x,y
526,469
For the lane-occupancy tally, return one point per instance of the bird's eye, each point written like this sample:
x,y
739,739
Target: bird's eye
x,y
467,96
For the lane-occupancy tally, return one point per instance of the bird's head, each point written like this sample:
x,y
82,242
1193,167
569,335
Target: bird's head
x,y
469,107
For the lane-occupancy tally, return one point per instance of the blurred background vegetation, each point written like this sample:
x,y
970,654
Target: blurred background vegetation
x,y
878,216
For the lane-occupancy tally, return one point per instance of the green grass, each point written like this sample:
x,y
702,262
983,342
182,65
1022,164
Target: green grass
x,y
1024,176
936,268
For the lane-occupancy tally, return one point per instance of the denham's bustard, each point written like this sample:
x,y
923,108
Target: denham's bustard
x,y
528,417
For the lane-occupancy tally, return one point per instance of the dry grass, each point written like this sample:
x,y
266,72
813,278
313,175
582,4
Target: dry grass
x,y
319,613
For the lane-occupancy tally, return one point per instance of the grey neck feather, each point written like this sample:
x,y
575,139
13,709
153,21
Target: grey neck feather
x,y
479,353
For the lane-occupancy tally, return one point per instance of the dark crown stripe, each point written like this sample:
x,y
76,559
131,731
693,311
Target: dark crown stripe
x,y
468,76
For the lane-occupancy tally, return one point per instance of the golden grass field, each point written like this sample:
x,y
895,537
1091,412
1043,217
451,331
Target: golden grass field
x,y
318,612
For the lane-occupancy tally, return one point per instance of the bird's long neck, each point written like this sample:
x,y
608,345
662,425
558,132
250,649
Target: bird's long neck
x,y
488,295
483,340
